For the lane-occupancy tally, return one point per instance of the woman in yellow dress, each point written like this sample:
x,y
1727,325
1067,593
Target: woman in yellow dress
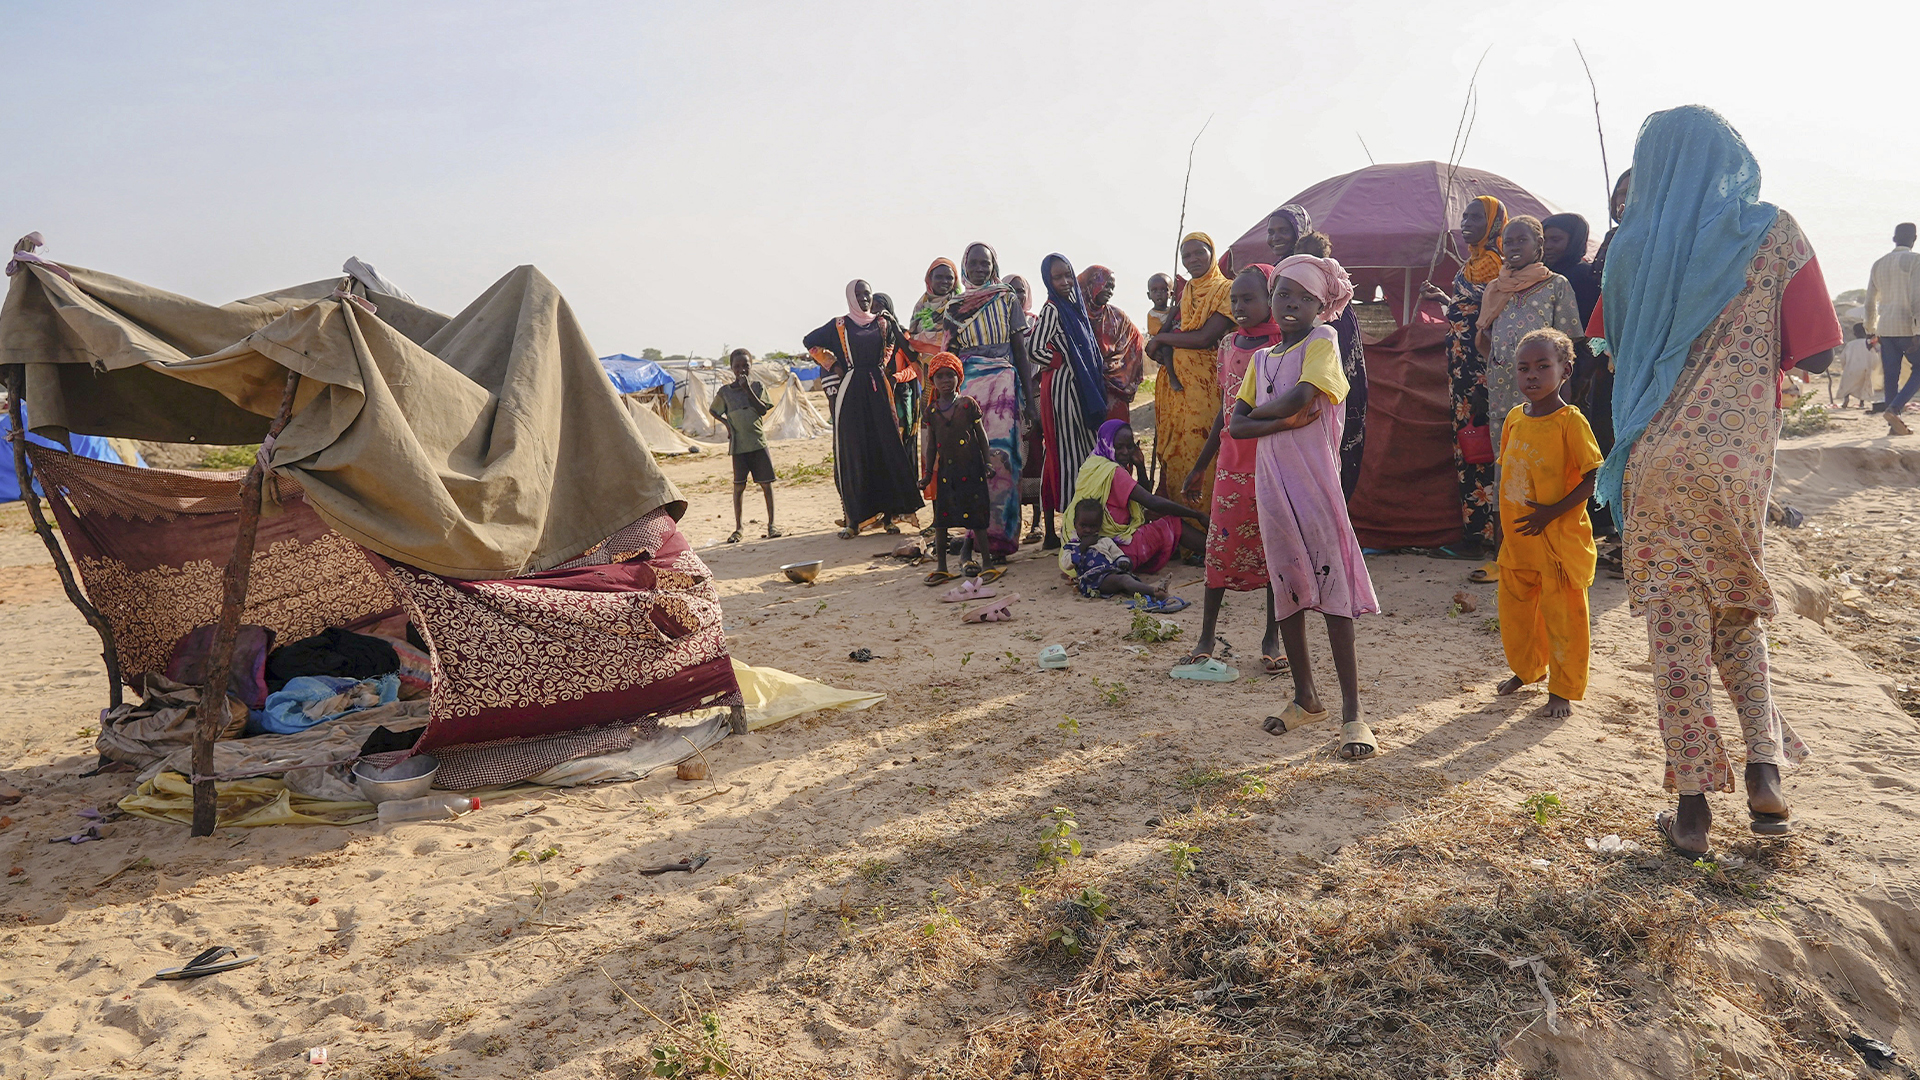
x,y
1186,394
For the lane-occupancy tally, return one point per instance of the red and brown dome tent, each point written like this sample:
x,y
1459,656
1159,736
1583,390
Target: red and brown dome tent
x,y
1394,227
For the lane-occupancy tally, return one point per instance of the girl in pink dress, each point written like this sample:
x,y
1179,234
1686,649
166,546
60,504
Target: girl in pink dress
x,y
1236,557
1313,559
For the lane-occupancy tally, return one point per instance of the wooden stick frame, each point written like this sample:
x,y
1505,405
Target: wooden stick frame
x,y
23,471
212,713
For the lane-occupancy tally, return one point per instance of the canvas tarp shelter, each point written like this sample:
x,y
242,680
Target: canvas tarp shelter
x,y
462,451
1394,227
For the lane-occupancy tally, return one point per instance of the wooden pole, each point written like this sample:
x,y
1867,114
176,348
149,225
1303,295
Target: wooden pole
x,y
213,697
23,471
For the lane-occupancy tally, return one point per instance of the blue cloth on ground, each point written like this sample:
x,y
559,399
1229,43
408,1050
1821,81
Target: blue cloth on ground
x,y
288,708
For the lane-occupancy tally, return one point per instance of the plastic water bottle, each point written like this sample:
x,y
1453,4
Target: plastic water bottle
x,y
436,807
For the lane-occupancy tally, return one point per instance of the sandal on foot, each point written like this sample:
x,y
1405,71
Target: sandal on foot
x,y
937,577
1291,718
734,538
1487,574
1205,669
1765,824
1663,823
893,528
773,533
1356,741
208,963
998,611
847,534
991,574
1275,665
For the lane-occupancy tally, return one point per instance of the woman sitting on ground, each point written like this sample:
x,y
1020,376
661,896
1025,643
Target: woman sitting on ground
x,y
1150,545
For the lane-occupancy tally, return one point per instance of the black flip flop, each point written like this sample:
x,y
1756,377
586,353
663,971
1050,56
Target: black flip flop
x,y
1764,824
1663,824
208,963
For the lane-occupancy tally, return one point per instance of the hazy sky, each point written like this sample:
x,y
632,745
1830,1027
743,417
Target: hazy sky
x,y
707,174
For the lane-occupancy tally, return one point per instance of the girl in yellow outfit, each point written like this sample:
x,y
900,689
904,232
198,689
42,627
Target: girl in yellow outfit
x,y
1548,458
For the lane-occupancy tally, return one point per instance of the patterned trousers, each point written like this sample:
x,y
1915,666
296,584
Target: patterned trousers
x,y
1689,634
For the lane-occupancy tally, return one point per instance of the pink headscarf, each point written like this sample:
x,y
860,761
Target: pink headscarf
x,y
1268,328
860,318
1324,278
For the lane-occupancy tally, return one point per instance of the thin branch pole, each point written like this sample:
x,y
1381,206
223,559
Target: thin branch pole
x,y
212,717
1364,148
1462,132
1180,236
1606,174
23,471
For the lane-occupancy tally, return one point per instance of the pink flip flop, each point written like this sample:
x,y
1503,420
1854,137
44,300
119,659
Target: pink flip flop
x,y
998,611
970,589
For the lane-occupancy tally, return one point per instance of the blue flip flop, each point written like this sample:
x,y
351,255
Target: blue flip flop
x,y
1159,607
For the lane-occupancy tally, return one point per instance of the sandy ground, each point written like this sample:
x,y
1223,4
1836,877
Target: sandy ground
x,y
869,904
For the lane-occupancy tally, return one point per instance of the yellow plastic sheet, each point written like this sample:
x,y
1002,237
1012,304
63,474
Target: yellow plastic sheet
x,y
773,695
240,804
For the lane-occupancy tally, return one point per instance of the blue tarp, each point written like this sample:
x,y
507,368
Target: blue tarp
x,y
92,446
630,374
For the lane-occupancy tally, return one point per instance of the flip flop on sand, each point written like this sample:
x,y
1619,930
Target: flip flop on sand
x,y
773,533
938,577
1356,741
1291,718
994,612
992,574
1487,574
208,963
1275,665
1157,606
1765,824
970,589
1663,823
1205,669
734,538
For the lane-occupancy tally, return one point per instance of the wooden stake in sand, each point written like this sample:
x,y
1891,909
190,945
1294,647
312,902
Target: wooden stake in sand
x,y
22,471
213,698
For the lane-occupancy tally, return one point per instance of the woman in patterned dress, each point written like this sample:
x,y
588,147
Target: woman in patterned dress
x,y
1186,396
987,330
1073,396
1709,297
1481,224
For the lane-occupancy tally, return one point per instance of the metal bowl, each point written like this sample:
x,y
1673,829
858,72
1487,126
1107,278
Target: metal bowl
x,y
802,573
410,779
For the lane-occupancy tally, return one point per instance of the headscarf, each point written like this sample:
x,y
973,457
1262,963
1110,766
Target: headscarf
x,y
1483,261
860,318
1103,439
1268,328
1095,481
1205,294
946,361
1510,282
1093,281
1297,214
1694,221
926,313
1083,349
974,297
1573,264
1326,279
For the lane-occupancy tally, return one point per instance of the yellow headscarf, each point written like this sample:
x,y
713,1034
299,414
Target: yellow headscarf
x,y
1483,265
1207,293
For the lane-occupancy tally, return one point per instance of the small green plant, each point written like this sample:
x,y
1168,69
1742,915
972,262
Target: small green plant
x,y
1093,904
1542,805
942,918
87,733
1491,626
804,473
877,871
820,607
964,658
1068,725
1805,417
1181,853
1150,628
712,1058
535,856
1110,692
1066,939
1026,895
1057,844
1197,777
1251,785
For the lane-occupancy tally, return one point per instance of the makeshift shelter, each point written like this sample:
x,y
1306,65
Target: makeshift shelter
x,y
91,446
1393,228
647,388
476,474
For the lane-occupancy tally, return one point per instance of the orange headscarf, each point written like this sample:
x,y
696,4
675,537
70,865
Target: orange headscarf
x,y
1483,263
945,361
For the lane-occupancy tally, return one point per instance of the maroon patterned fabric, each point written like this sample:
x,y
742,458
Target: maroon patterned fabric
x,y
636,636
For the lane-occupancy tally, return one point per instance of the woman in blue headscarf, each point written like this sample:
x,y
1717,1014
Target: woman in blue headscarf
x,y
1708,297
1073,394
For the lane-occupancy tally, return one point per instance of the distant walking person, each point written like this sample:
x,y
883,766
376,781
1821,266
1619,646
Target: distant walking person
x,y
1893,315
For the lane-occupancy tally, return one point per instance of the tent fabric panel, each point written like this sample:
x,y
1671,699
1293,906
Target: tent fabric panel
x,y
1408,494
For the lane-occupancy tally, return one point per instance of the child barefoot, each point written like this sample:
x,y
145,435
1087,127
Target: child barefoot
x,y
953,464
1313,559
1235,558
1548,458
1100,568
